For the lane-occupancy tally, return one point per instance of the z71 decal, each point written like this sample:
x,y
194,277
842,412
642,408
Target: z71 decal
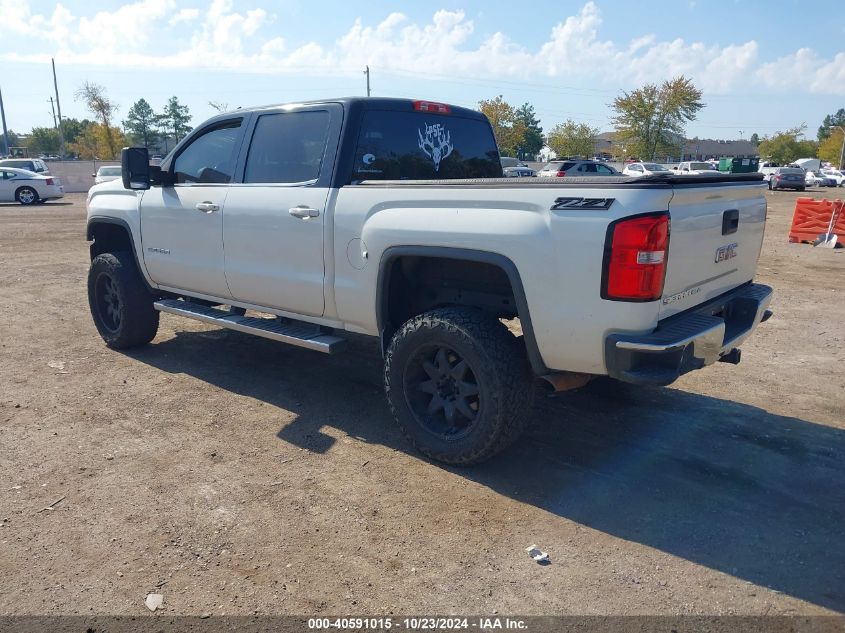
x,y
583,203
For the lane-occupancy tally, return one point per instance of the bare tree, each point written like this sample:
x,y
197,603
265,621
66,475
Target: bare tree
x,y
95,99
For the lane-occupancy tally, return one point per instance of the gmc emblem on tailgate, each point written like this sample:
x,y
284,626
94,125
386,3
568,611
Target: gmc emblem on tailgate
x,y
724,253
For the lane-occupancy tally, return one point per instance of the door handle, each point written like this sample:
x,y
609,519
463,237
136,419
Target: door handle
x,y
207,207
303,212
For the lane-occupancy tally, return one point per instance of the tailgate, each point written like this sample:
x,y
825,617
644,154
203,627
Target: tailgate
x,y
716,232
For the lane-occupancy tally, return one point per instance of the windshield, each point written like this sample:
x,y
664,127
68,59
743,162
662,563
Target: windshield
x,y
509,162
654,167
790,170
109,171
699,166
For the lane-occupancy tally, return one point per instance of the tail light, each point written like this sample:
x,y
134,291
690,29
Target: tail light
x,y
431,106
777,177
49,181
635,258
561,174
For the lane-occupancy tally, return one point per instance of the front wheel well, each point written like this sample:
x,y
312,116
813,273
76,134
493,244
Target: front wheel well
x,y
109,238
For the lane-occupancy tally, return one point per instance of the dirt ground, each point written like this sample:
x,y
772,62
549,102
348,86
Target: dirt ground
x,y
236,475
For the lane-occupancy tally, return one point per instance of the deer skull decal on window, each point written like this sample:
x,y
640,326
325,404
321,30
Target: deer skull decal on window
x,y
437,143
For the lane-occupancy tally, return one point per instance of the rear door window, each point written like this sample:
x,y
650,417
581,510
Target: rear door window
x,y
287,147
395,145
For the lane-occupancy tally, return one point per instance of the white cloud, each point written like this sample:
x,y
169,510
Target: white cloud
x,y
184,15
218,36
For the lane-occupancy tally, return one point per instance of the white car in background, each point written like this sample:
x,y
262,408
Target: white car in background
x,y
695,168
818,179
646,169
837,175
27,187
106,173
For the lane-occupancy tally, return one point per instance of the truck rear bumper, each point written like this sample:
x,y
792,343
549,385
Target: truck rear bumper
x,y
688,341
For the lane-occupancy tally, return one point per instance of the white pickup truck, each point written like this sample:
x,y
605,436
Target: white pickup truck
x,y
390,218
695,168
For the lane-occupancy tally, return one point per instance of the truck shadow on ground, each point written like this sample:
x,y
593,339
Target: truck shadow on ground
x,y
725,485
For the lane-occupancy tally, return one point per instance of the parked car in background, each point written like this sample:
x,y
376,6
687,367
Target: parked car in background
x,y
646,169
694,168
575,168
768,169
819,179
106,173
515,168
837,175
35,165
27,187
788,178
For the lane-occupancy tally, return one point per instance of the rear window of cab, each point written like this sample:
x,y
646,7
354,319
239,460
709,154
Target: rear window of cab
x,y
395,145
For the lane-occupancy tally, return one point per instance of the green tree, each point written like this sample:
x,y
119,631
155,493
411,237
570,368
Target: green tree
x,y
755,139
73,128
830,149
96,100
43,140
829,124
532,141
175,118
649,119
13,139
141,123
573,139
508,129
785,147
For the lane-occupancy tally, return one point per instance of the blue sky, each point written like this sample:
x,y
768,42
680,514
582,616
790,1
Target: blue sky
x,y
760,71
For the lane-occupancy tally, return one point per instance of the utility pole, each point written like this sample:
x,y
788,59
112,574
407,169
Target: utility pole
x,y
54,113
367,73
59,106
5,131
841,151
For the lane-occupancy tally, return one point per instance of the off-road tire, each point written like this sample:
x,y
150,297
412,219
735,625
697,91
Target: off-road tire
x,y
26,196
121,304
499,370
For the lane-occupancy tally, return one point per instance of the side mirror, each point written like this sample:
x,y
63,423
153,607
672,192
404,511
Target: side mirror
x,y
135,168
93,175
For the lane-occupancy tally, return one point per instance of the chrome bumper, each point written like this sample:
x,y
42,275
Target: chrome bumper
x,y
689,341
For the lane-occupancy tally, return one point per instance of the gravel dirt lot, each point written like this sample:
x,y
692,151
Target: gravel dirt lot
x,y
236,475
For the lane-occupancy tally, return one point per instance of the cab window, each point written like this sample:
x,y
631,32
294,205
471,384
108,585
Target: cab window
x,y
210,157
287,147
397,145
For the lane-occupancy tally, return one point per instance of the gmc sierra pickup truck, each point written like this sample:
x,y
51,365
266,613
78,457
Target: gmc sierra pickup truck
x,y
390,218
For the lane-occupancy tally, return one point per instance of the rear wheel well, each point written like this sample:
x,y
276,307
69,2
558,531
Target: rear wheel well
x,y
413,284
